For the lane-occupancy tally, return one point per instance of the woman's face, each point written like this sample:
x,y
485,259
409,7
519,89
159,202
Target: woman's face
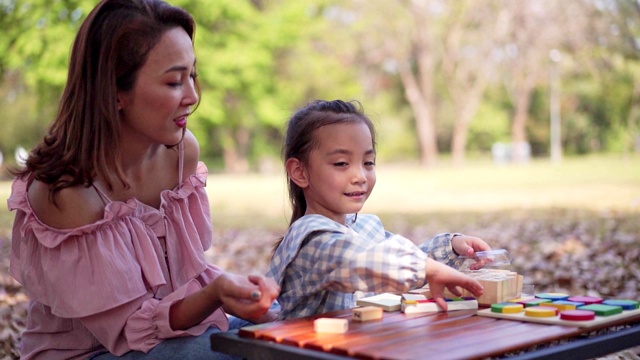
x,y
155,110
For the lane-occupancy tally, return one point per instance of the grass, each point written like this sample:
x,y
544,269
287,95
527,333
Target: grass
x,y
595,183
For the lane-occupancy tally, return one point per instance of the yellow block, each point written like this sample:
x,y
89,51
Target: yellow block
x,y
540,311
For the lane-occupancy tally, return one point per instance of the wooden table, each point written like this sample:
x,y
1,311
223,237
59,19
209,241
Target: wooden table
x,y
453,335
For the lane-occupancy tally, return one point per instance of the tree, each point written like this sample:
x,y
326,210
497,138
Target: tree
x,y
473,31
248,53
34,53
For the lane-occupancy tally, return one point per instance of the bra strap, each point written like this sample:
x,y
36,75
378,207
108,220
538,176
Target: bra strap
x,y
104,196
180,162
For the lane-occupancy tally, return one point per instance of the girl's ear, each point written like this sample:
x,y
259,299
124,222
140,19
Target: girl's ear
x,y
297,172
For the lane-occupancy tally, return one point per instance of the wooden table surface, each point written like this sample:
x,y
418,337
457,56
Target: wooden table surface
x,y
452,335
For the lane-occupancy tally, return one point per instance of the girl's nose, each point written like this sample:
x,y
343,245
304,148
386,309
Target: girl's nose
x,y
359,175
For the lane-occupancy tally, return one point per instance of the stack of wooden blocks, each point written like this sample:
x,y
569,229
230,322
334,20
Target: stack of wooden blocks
x,y
499,286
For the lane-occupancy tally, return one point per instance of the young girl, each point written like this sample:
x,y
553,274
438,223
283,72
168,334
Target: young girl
x,y
330,251
112,217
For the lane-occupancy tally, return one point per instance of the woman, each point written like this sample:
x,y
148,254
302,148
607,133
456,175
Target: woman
x,y
112,218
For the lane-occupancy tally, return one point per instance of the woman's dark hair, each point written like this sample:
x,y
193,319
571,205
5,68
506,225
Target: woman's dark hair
x,y
300,139
111,46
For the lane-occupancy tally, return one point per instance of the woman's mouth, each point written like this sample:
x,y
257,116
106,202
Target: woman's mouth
x,y
181,122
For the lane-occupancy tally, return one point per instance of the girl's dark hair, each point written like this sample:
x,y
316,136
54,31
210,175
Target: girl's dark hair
x,y
111,46
300,139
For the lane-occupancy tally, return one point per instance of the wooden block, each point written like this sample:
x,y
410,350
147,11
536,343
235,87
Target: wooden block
x,y
367,313
500,285
386,301
422,306
331,325
422,291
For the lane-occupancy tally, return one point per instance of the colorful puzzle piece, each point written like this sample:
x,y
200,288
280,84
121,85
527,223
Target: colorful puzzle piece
x,y
582,311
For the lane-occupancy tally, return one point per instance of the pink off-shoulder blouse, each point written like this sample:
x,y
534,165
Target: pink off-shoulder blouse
x,y
110,284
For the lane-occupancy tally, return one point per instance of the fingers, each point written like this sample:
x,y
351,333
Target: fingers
x,y
468,245
454,290
472,285
441,276
442,302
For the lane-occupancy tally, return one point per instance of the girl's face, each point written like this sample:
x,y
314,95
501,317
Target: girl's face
x,y
341,170
155,110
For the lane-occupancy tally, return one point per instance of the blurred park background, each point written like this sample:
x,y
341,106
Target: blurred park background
x,y
514,120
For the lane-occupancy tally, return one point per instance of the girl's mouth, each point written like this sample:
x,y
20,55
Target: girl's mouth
x,y
356,194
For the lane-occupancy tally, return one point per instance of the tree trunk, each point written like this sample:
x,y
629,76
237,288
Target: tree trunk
x,y
519,125
467,110
423,114
234,151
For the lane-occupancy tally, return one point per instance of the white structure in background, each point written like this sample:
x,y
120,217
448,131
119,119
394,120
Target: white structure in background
x,y
1,158
21,156
505,153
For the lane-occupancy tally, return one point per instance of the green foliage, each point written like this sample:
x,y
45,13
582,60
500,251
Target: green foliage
x,y
257,62
34,51
260,60
490,125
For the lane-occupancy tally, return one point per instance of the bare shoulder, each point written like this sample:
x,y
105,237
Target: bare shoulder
x,y
75,206
191,153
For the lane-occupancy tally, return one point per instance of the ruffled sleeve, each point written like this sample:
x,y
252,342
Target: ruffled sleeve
x,y
75,271
107,274
143,337
189,231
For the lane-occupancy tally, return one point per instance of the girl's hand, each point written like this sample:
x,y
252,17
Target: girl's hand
x,y
248,297
441,276
467,246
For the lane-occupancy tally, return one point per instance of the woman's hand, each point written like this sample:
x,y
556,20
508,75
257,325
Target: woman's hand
x,y
248,297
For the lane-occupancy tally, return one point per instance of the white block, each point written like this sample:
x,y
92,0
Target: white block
x,y
422,307
386,301
330,325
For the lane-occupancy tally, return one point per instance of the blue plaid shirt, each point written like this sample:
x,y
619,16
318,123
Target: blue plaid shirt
x,y
321,263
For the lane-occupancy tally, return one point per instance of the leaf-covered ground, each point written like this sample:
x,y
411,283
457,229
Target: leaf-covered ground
x,y
576,252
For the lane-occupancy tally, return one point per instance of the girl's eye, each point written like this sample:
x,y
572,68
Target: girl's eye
x,y
370,163
340,164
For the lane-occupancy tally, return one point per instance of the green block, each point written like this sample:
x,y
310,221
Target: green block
x,y
602,310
